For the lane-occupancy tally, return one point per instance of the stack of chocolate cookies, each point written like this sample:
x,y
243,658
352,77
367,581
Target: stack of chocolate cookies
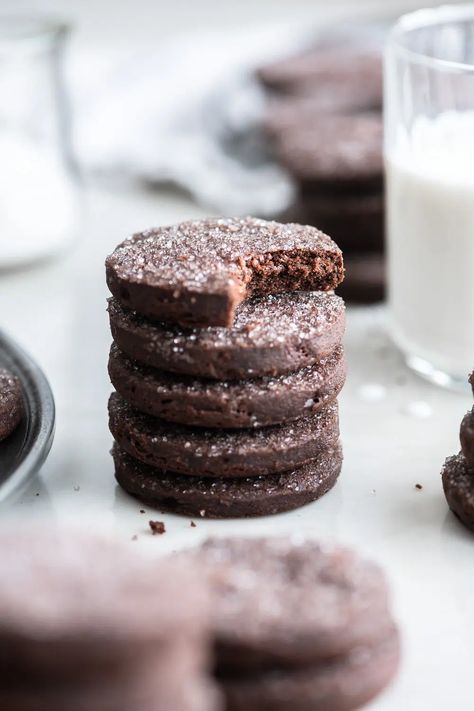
x,y
227,362
86,625
324,123
297,625
458,472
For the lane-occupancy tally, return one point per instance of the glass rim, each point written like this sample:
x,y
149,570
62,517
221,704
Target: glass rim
x,y
425,18
31,29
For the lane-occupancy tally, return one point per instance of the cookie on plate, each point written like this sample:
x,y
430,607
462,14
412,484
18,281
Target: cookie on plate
x,y
217,497
11,403
297,624
197,273
271,335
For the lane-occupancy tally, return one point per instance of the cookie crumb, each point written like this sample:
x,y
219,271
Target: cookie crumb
x,y
418,486
192,524
134,538
142,511
157,527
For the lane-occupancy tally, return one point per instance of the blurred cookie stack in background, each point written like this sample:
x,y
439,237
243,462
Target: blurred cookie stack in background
x,y
324,123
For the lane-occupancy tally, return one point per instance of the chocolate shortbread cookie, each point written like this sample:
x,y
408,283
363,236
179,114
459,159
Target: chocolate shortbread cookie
x,y
196,273
365,282
355,222
339,684
287,602
466,436
11,403
337,154
290,113
227,404
458,485
297,625
75,617
319,68
227,497
165,682
270,335
223,453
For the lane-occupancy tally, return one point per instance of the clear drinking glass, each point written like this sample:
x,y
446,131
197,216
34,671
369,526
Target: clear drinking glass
x,y
38,191
429,154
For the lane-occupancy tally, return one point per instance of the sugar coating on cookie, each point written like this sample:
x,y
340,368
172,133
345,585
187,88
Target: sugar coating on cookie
x,y
270,335
218,497
11,403
458,486
197,272
291,601
227,403
204,452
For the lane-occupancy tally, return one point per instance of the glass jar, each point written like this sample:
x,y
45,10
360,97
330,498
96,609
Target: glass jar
x,y
429,152
38,189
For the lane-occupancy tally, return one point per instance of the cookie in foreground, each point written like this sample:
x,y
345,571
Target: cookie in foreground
x,y
297,624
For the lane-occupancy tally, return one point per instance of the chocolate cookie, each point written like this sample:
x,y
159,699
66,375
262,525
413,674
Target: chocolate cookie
x,y
287,602
337,154
365,282
89,607
11,403
471,382
339,684
355,222
466,436
75,617
294,112
196,273
270,335
320,68
458,485
228,498
221,453
229,404
150,683
297,625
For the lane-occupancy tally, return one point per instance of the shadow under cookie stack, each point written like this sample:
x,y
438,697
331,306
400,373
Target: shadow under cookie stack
x,y
324,124
227,362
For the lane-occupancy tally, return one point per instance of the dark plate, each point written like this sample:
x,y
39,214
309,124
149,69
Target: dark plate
x,y
23,453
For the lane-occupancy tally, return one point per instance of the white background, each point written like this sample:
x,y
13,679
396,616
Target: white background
x,y
396,429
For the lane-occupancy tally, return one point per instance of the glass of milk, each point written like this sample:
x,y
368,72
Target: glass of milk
x,y
429,153
38,191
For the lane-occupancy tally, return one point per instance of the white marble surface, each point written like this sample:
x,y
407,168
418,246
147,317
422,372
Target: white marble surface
x,y
397,431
